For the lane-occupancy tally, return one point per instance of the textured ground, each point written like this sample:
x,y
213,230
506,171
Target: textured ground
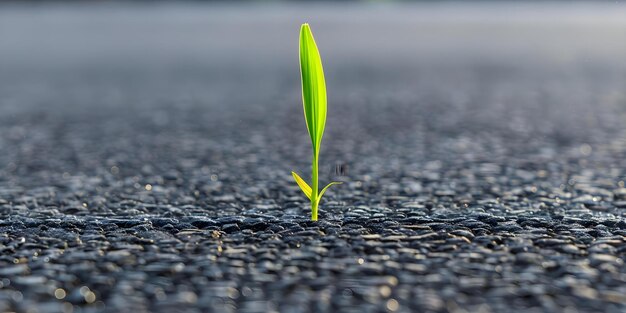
x,y
146,156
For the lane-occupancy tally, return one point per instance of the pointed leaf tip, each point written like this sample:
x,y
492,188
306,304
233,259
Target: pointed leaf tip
x,y
305,28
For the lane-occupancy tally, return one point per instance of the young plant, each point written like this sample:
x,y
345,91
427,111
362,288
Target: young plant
x,y
314,103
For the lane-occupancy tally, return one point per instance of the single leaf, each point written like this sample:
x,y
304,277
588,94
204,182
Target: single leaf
x,y
324,190
313,87
303,185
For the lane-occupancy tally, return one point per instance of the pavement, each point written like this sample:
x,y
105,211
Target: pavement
x,y
146,150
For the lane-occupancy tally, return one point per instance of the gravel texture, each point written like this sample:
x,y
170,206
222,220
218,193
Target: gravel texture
x,y
482,175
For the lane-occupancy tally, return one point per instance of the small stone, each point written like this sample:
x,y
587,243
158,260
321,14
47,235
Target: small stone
x,y
596,259
528,258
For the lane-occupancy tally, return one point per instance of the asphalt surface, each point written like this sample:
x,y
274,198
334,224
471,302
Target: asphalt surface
x,y
146,150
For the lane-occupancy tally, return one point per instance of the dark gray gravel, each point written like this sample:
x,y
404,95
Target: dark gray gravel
x,y
146,155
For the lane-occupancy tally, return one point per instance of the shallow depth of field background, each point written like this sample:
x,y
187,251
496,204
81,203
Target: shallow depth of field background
x,y
163,61
253,45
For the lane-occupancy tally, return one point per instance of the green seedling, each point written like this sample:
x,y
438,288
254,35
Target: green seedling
x,y
314,104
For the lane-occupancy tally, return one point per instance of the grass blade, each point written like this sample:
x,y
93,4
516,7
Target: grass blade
x,y
313,87
314,104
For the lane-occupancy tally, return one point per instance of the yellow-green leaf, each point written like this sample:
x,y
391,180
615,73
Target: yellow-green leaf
x,y
303,185
324,190
313,87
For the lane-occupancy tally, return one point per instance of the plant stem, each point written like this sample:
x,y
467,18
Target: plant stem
x,y
314,199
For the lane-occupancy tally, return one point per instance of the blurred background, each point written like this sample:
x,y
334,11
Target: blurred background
x,y
84,80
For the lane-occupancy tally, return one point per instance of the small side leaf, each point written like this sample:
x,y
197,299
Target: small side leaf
x,y
303,185
324,190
